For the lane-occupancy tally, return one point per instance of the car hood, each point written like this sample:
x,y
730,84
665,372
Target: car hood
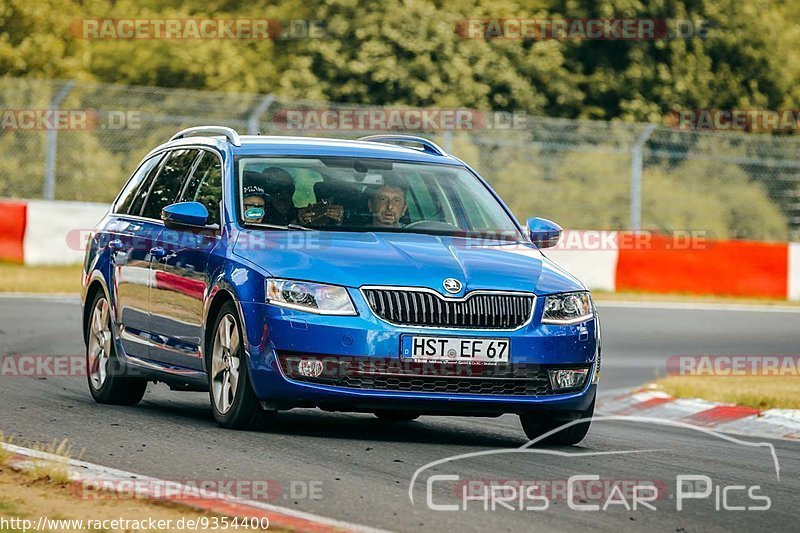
x,y
400,259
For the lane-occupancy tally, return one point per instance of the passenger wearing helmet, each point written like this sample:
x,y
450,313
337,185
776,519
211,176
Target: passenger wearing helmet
x,y
254,202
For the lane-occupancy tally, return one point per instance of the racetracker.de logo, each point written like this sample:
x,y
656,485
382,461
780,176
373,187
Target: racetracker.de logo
x,y
749,120
196,28
37,366
380,119
56,366
68,119
194,489
734,365
591,29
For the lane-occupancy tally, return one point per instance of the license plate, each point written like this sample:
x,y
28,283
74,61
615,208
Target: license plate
x,y
458,349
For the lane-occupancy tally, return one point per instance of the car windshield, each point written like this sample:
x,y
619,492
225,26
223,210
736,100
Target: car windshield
x,y
349,194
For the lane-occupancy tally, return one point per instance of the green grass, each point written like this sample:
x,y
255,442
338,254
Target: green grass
x,y
56,471
40,279
5,455
7,507
758,392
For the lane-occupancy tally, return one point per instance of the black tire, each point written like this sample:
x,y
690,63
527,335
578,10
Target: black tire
x,y
245,411
115,388
535,425
396,416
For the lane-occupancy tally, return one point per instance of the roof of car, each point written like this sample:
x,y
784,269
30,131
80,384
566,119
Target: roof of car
x,y
318,146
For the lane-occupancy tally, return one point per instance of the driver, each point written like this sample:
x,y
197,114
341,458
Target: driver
x,y
388,204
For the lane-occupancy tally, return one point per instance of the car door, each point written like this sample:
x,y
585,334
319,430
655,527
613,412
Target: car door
x,y
181,282
129,239
164,190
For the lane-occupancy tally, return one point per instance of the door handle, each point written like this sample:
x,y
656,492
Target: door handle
x,y
158,253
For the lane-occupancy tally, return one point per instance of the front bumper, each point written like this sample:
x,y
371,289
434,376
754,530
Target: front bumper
x,y
273,330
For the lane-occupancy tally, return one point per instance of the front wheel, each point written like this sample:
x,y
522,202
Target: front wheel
x,y
535,425
233,400
107,381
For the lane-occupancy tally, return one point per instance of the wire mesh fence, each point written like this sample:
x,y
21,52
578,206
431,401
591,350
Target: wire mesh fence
x,y
71,140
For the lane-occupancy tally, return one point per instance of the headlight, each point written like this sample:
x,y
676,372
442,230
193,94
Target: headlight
x,y
567,308
310,297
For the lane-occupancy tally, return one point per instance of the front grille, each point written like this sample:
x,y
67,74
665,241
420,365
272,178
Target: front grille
x,y
408,376
484,310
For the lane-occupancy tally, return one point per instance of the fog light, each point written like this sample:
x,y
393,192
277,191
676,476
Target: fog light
x,y
568,378
310,368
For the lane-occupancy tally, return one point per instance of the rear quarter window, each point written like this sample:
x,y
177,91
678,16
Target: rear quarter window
x,y
167,184
135,183
205,186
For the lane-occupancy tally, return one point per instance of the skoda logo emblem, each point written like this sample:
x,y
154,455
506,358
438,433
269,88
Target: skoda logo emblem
x,y
452,285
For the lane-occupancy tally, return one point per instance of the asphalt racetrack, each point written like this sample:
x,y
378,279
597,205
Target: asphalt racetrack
x,y
358,469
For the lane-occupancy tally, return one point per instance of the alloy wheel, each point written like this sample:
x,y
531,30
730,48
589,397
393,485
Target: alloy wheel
x,y
99,345
225,364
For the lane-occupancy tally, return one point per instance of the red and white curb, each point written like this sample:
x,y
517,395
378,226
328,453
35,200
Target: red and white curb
x,y
88,475
726,418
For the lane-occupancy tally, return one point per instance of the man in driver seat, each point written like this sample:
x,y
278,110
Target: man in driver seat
x,y
388,203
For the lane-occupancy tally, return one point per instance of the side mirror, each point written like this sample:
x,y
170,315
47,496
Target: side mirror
x,y
185,215
544,233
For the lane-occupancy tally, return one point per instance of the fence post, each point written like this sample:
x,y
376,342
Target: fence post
x,y
49,192
254,120
637,162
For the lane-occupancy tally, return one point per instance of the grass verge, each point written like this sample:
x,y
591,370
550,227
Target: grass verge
x,y
56,471
44,490
24,499
40,279
758,392
5,455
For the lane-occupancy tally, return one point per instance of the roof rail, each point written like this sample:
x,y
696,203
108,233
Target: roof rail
x,y
428,147
209,131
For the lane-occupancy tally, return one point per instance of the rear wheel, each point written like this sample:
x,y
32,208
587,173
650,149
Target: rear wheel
x,y
535,425
233,400
106,375
396,416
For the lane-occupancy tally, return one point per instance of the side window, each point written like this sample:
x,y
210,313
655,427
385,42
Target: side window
x,y
205,185
137,187
167,184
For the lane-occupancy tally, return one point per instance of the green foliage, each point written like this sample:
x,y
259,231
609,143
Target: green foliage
x,y
592,190
408,52
702,194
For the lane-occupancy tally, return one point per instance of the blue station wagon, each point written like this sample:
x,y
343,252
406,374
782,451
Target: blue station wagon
x,y
380,275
